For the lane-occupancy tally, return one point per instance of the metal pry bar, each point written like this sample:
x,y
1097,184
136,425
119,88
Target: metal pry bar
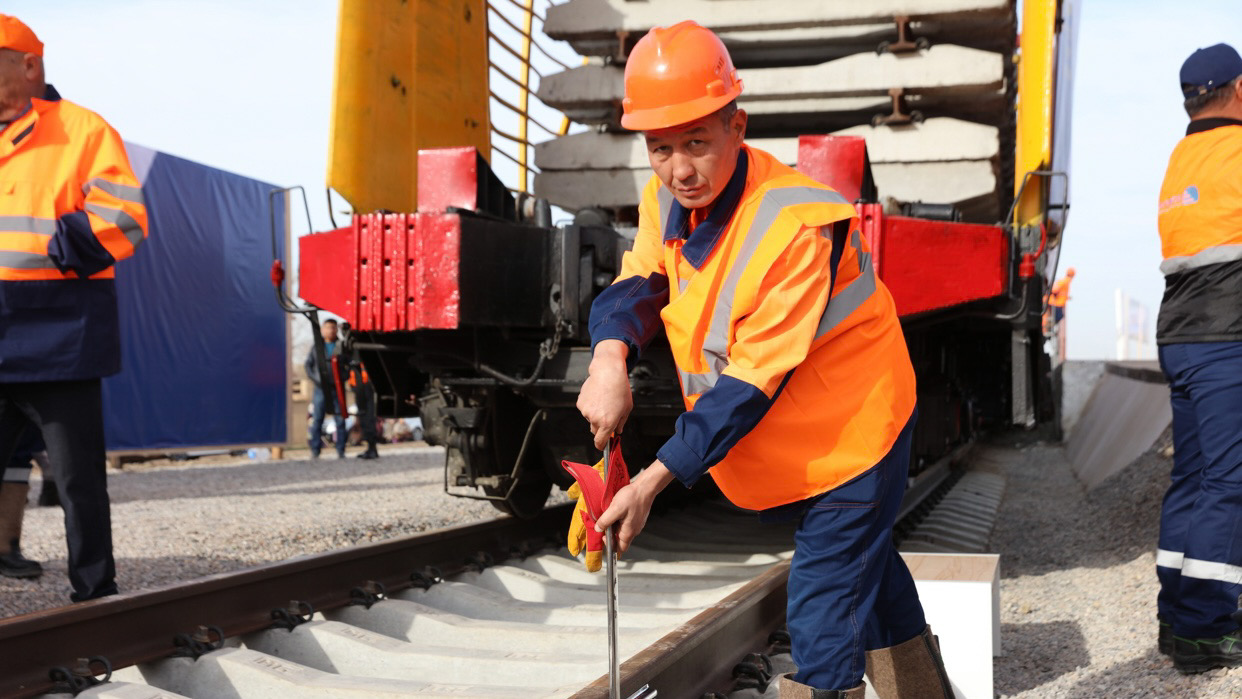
x,y
610,567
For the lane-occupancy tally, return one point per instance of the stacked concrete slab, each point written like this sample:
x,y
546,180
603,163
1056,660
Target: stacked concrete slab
x,y
809,66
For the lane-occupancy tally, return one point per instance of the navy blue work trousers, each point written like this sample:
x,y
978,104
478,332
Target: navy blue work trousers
x,y
1199,561
320,405
849,590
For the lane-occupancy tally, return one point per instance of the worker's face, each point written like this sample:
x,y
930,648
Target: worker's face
x,y
329,332
21,74
696,160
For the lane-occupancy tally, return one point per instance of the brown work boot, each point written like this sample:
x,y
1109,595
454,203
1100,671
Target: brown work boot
x,y
12,508
910,670
795,690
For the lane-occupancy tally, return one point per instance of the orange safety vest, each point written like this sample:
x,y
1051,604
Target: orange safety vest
x,y
1060,293
758,309
1200,217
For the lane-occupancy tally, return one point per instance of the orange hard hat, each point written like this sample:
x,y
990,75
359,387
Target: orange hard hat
x,y
675,75
1070,271
17,36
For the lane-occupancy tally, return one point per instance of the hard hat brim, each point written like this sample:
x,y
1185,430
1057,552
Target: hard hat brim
x,y
677,114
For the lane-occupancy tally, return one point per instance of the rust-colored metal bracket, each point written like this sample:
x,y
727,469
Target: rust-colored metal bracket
x,y
906,42
900,115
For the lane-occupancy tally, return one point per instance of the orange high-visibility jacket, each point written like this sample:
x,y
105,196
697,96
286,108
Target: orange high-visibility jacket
x,y
788,395
70,207
1200,222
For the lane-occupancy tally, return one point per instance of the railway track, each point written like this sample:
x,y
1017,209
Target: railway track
x,y
496,609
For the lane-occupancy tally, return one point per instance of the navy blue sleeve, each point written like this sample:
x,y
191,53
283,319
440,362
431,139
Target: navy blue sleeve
x,y
629,311
723,415
75,247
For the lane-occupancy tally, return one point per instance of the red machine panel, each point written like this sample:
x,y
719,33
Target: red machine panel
x,y
432,263
387,272
448,177
328,271
838,161
926,265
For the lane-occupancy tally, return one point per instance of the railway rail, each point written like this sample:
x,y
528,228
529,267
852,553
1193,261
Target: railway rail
x,y
495,609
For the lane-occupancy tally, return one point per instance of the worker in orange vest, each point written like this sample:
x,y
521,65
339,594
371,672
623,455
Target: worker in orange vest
x,y
798,388
1057,299
70,208
1199,336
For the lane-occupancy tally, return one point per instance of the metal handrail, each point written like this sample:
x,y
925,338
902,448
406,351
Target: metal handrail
x,y
528,35
519,112
515,54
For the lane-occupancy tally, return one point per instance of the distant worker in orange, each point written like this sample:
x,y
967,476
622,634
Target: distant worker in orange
x,y
70,207
1057,298
1199,336
799,393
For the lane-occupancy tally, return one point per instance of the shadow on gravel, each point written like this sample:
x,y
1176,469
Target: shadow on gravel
x,y
1038,653
1049,522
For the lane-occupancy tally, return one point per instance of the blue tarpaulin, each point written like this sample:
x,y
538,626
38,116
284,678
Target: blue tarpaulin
x,y
203,341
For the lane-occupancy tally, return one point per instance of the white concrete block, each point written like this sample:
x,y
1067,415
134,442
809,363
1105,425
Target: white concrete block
x,y
961,599
592,93
338,648
937,139
245,674
125,690
959,182
609,17
410,621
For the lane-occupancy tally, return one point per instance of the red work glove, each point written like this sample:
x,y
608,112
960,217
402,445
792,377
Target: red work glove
x,y
594,496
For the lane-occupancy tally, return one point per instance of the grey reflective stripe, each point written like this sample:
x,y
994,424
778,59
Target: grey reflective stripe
x,y
665,199
1207,256
695,384
715,345
25,260
27,224
123,192
17,474
681,285
120,219
853,296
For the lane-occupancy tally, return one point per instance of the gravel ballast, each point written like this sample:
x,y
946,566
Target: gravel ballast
x,y
1078,584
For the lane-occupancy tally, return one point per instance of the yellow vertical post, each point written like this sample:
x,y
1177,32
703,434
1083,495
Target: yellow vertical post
x,y
524,98
410,74
1035,104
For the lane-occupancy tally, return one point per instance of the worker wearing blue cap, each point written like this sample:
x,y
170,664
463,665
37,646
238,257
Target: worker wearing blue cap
x,y
1199,332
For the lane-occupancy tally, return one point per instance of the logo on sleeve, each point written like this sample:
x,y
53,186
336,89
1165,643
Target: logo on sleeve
x,y
1188,197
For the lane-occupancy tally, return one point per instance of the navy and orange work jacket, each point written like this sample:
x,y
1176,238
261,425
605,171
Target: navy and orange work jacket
x,y
1200,222
788,394
70,207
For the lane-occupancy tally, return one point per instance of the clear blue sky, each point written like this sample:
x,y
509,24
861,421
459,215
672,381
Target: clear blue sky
x,y
245,85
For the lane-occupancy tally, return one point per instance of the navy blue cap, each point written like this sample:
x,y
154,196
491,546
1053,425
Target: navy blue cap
x,y
1209,68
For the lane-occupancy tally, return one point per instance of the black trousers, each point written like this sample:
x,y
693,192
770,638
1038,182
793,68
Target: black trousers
x,y
70,416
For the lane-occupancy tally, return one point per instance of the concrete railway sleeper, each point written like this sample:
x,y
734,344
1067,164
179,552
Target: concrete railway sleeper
x,y
496,609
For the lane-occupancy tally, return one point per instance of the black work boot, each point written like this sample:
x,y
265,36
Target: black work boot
x,y
370,453
14,565
1164,636
1194,655
795,690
